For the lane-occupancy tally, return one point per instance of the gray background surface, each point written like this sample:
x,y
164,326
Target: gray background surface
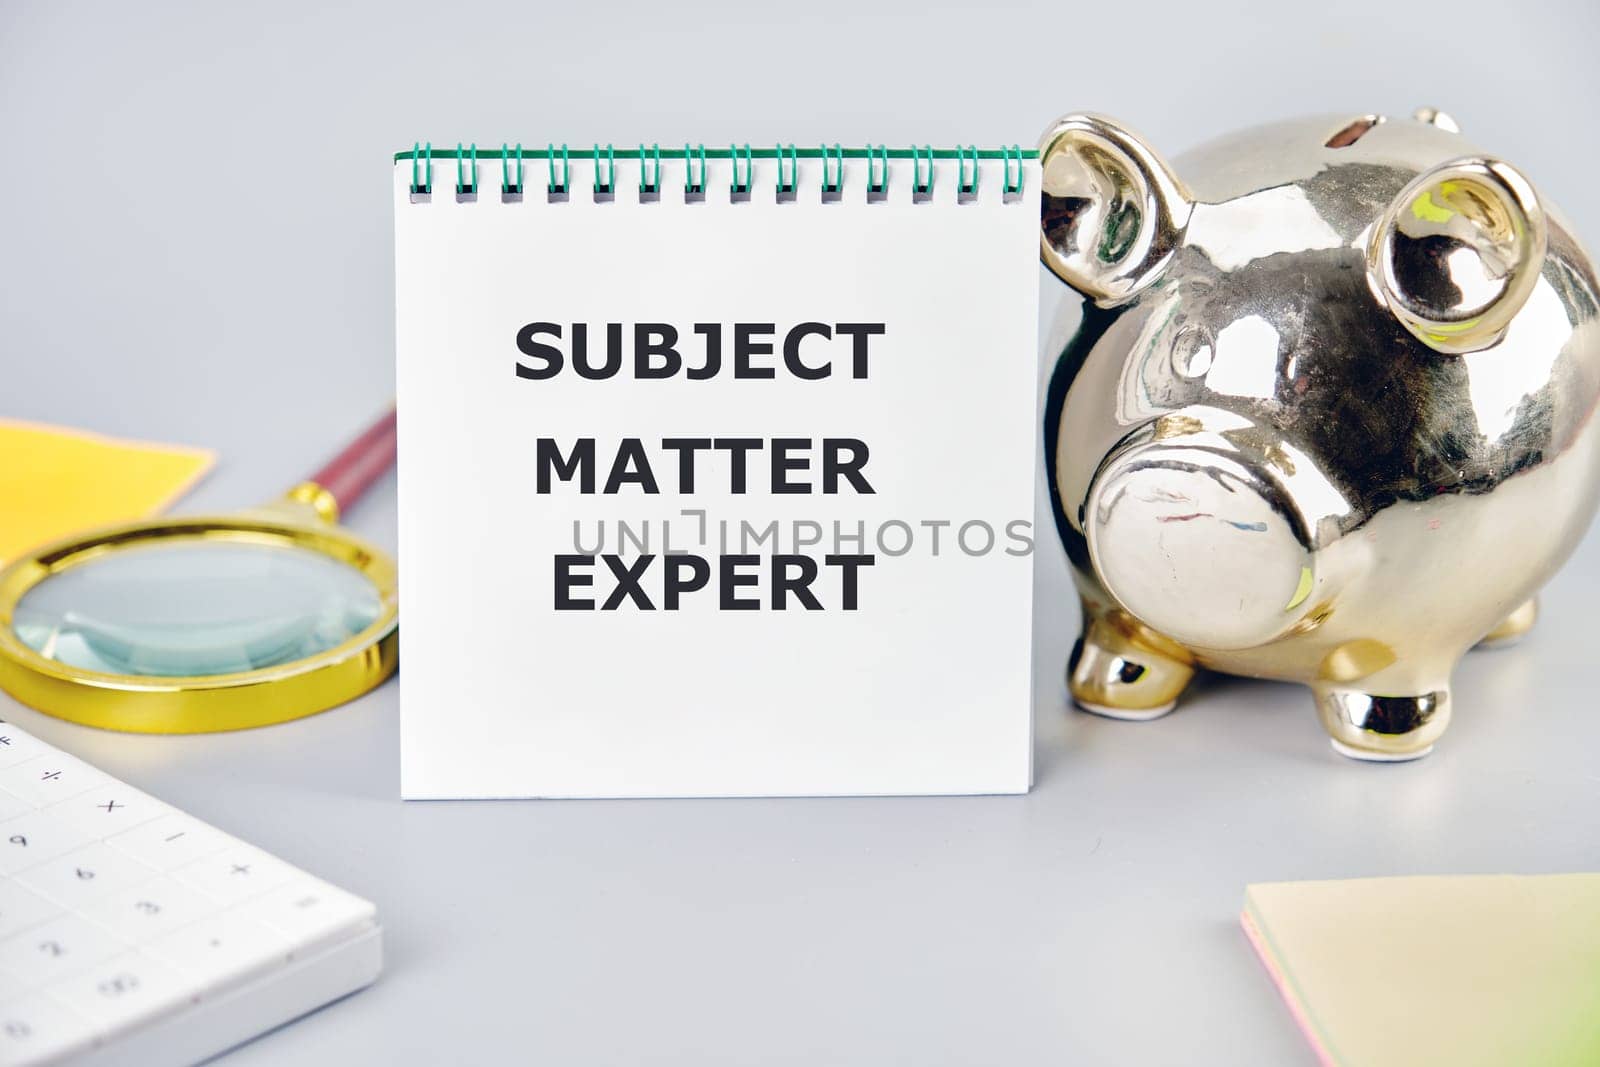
x,y
195,246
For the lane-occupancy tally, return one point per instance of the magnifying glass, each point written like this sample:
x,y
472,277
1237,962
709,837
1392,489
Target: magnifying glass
x,y
193,625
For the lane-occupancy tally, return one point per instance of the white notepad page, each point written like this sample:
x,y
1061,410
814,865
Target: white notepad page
x,y
923,688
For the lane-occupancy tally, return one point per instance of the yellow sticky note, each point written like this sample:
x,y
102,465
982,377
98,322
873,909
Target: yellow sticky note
x,y
55,482
1474,971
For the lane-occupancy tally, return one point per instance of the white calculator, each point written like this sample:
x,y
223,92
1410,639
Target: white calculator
x,y
131,933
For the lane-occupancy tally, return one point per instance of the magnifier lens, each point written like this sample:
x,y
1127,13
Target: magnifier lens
x,y
188,608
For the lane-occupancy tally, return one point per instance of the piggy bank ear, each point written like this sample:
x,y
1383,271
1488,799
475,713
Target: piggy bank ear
x,y
1458,252
1112,212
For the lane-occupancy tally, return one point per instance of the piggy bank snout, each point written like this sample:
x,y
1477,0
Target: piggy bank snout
x,y
1203,542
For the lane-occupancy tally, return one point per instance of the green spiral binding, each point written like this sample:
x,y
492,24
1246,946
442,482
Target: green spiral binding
x,y
693,185
507,186
565,183
610,183
1013,184
741,188
967,182
654,184
787,185
464,187
832,179
425,186
924,159
878,169
921,185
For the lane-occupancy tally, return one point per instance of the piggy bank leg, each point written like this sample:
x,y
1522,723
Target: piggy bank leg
x,y
1123,670
1365,725
1512,627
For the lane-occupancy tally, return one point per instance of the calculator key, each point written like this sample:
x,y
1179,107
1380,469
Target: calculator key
x,y
21,907
310,911
11,807
38,1029
130,988
86,874
223,949
16,746
29,840
108,810
236,874
171,841
54,776
149,910
52,950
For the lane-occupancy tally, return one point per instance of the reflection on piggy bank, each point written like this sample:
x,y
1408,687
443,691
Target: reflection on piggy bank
x,y
1328,418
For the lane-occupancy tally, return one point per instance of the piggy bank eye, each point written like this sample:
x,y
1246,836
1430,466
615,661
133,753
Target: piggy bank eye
x,y
1112,213
1458,252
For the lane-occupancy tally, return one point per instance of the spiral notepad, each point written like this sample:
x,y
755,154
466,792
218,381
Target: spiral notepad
x,y
716,469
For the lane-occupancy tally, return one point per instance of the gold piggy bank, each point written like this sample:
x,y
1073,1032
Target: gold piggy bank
x,y
1329,416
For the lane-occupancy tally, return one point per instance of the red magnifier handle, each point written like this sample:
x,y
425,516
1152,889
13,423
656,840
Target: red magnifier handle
x,y
362,462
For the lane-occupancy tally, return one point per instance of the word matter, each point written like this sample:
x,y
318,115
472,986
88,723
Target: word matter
x,y
839,461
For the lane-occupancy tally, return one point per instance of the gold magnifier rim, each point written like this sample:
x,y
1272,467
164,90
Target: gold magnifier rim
x,y
204,703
